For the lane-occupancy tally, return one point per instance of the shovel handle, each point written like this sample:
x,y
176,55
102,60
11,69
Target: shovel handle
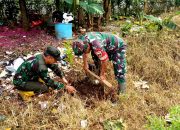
x,y
104,82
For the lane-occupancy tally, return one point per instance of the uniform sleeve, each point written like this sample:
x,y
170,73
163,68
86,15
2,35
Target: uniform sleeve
x,y
43,73
99,50
56,70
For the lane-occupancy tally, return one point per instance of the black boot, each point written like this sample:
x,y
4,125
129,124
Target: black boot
x,y
121,88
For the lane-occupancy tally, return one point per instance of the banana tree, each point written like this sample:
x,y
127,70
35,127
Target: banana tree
x,y
167,22
91,7
107,8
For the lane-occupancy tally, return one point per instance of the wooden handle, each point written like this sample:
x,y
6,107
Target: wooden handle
x,y
104,82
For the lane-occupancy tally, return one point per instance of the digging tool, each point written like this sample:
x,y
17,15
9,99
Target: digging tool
x,y
103,82
108,88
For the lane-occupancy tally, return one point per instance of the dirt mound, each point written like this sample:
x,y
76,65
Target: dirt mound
x,y
87,89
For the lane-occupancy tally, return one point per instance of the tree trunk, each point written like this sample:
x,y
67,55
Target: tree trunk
x,y
89,22
25,20
81,17
128,3
145,6
57,2
107,9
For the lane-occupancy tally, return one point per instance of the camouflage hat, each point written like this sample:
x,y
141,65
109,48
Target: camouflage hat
x,y
79,47
54,52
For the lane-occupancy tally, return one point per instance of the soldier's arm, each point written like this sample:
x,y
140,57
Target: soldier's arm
x,y
102,55
56,70
43,73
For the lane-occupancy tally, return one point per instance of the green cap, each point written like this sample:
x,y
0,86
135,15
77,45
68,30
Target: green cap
x,y
54,52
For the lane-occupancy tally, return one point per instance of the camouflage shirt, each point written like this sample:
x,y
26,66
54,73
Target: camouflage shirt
x,y
103,44
33,69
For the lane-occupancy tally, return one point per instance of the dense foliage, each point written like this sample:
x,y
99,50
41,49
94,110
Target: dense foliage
x,y
9,9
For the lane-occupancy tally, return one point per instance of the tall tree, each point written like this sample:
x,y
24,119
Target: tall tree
x,y
57,3
107,9
128,4
24,16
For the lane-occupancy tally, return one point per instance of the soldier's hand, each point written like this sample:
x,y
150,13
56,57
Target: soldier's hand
x,y
70,89
64,80
102,77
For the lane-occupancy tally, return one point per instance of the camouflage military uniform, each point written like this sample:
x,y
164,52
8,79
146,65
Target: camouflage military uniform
x,y
106,46
27,75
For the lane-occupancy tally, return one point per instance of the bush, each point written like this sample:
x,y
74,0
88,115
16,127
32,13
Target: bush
x,y
172,123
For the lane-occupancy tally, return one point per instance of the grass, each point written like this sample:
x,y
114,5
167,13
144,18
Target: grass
x,y
153,57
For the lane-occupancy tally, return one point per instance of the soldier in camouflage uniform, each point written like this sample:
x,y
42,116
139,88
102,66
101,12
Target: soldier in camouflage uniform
x,y
27,75
103,47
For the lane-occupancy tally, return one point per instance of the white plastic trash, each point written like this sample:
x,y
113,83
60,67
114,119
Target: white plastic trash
x,y
84,123
16,63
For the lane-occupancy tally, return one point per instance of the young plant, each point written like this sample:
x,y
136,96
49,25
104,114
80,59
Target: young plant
x,y
126,28
69,52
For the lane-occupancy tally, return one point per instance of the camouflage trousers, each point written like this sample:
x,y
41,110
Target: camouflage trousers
x,y
35,86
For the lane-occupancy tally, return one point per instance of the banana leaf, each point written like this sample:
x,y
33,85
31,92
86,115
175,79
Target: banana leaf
x,y
170,24
69,1
153,19
167,22
91,7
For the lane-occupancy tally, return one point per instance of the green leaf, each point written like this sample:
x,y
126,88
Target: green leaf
x,y
91,7
170,24
69,1
156,123
167,22
153,19
69,53
113,124
159,123
177,13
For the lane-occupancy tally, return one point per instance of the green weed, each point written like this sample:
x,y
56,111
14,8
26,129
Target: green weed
x,y
159,123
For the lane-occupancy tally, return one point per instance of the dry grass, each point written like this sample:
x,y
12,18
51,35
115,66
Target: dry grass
x,y
151,57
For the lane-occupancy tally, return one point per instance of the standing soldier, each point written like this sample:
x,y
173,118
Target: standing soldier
x,y
103,47
34,68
